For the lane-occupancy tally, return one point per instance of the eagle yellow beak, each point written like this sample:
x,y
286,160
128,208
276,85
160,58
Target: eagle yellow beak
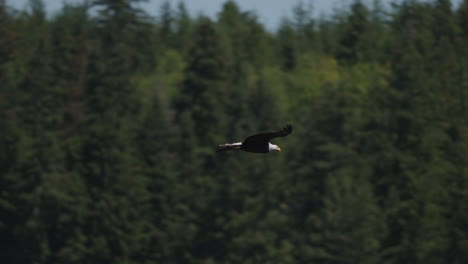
x,y
279,149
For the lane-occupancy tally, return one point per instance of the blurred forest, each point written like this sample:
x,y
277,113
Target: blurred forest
x,y
109,121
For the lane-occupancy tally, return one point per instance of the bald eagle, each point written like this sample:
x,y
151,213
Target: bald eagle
x,y
259,143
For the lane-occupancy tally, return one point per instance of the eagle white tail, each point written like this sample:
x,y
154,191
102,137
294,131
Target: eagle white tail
x,y
229,146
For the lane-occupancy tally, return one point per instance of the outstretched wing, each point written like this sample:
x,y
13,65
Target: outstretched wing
x,y
264,138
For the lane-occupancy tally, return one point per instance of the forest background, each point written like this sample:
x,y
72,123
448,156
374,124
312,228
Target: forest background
x,y
109,121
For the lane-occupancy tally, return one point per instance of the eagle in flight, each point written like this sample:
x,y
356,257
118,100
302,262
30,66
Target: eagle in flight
x,y
259,143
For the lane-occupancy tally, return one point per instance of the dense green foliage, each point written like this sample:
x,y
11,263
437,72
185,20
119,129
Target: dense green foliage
x,y
109,119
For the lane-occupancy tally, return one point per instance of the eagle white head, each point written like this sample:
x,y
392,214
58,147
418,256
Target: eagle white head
x,y
273,147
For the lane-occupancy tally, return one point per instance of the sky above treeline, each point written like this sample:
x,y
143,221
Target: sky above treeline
x,y
270,12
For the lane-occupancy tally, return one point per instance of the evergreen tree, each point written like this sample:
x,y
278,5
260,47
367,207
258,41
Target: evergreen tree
x,y
202,94
402,129
347,229
353,43
305,27
8,97
463,17
288,46
35,152
201,122
183,27
166,24
107,163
